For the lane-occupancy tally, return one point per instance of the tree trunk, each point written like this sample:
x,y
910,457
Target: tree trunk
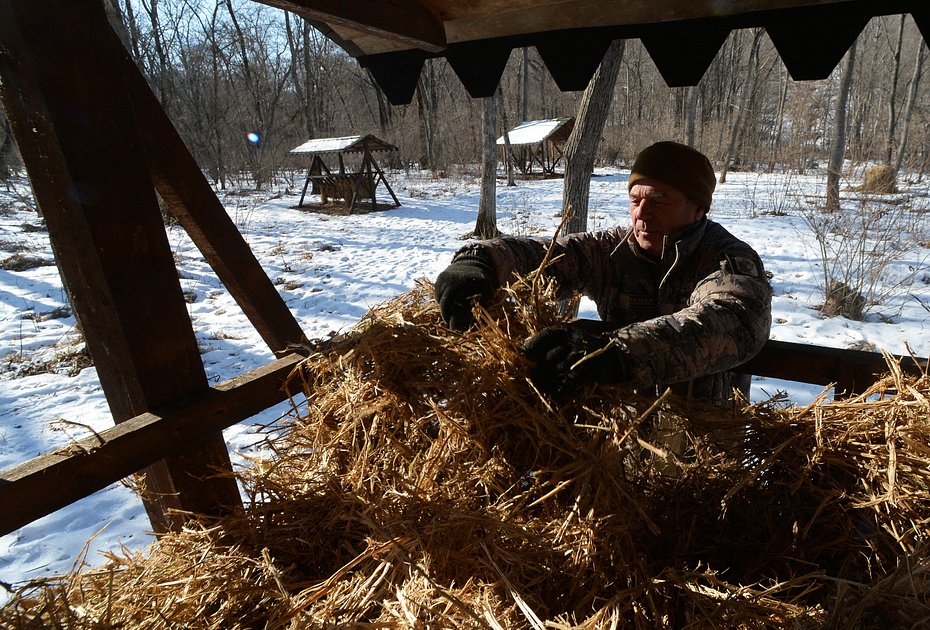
x,y
218,118
745,100
163,75
303,102
486,226
909,106
133,29
6,147
779,123
838,149
691,115
426,107
892,93
260,128
385,117
525,91
508,155
581,147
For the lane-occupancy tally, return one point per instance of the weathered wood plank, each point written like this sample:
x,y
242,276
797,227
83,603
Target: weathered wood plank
x,y
852,370
51,481
404,21
72,119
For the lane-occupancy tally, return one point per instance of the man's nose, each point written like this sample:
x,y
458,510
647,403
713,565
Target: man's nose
x,y
645,208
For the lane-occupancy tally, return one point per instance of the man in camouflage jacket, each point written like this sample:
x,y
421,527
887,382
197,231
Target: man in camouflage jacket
x,y
681,300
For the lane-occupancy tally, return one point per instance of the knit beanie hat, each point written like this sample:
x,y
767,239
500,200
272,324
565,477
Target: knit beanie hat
x,y
677,165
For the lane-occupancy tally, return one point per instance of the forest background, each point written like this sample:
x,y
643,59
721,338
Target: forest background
x,y
245,83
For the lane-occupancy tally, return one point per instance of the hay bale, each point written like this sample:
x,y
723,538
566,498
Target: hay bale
x,y
880,179
842,300
426,484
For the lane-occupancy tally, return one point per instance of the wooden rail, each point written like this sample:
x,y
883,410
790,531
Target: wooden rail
x,y
54,480
851,370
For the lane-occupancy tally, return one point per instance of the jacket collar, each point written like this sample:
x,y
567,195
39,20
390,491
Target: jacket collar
x,y
679,245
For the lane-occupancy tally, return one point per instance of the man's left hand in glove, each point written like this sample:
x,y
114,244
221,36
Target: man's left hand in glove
x,y
569,357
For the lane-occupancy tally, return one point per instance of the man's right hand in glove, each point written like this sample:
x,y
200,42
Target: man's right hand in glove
x,y
566,358
468,280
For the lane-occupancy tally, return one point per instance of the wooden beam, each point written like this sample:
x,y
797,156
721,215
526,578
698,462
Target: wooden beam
x,y
404,21
72,120
188,195
852,370
51,481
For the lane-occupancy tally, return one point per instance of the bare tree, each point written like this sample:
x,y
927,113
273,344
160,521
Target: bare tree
x,y
486,225
581,148
161,68
892,93
775,145
744,104
385,116
838,148
132,29
694,94
262,66
508,154
301,70
909,106
525,85
7,148
427,97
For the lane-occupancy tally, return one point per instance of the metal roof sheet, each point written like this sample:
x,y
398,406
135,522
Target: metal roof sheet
x,y
344,144
534,131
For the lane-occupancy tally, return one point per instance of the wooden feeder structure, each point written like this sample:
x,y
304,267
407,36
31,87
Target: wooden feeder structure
x,y
96,142
352,187
538,143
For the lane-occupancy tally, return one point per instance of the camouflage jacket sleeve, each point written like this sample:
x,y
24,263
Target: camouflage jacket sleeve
x,y
578,261
725,323
723,319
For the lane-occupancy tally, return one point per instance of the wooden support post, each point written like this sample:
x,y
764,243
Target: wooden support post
x,y
72,120
303,193
852,371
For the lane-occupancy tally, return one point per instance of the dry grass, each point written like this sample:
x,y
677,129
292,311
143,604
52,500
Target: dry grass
x,y
427,485
880,179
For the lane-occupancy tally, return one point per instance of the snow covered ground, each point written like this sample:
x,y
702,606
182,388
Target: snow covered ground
x,y
332,269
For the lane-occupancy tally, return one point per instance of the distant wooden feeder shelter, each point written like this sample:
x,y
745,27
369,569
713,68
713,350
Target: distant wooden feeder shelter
x,y
538,144
354,186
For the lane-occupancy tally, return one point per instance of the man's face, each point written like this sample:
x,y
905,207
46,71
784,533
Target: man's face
x,y
658,210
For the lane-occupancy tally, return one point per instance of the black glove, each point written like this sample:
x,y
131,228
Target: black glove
x,y
463,283
555,351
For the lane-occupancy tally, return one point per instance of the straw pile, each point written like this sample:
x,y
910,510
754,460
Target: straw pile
x,y
427,485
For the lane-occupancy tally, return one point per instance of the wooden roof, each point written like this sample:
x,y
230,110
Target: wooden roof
x,y
345,144
536,131
392,38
